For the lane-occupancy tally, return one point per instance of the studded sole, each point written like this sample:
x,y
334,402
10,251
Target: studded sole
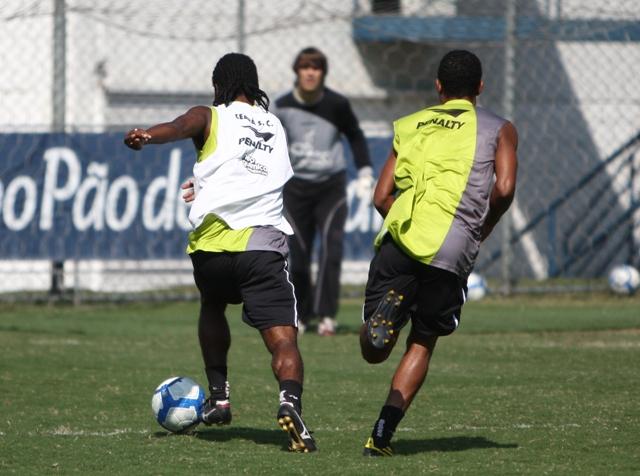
x,y
380,327
296,444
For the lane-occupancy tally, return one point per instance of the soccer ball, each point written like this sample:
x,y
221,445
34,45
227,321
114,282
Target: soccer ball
x,y
177,404
476,287
624,279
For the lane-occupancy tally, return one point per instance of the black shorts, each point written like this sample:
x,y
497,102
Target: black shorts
x,y
258,279
433,296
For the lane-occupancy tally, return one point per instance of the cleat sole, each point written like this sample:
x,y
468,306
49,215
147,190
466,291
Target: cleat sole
x,y
383,321
296,442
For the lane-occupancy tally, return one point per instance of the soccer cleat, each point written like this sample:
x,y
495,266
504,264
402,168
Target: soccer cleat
x,y
216,412
370,449
386,320
300,440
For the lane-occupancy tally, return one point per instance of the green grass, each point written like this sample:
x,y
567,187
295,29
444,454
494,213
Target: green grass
x,y
532,385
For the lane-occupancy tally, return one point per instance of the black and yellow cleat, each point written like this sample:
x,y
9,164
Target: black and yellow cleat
x,y
300,439
386,322
370,449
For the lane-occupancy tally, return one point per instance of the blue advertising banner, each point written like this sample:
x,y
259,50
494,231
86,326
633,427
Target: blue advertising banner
x,y
86,196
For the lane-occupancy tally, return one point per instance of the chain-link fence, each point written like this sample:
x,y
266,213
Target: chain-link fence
x,y
77,73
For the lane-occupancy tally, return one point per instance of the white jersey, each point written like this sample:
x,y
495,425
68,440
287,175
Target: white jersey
x,y
242,169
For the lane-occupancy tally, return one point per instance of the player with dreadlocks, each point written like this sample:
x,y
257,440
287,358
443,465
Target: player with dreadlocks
x,y
238,245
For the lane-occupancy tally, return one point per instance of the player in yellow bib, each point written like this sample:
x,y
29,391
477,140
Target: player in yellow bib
x,y
448,180
238,245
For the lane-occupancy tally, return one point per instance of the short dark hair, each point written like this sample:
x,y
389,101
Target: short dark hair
x,y
236,74
460,73
311,56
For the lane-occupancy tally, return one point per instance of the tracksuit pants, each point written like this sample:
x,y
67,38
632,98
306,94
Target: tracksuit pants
x,y
316,209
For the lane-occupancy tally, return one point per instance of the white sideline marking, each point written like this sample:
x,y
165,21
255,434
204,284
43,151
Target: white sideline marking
x,y
612,345
458,427
66,431
51,341
588,345
517,426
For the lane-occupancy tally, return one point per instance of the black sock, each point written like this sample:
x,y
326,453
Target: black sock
x,y
291,391
386,425
218,385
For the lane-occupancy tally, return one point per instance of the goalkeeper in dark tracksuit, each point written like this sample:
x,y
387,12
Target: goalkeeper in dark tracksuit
x,y
315,118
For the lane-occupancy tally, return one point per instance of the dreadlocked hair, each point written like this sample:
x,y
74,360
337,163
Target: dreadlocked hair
x,y
236,74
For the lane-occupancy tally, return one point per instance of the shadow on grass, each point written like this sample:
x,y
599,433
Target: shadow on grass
x,y
456,443
224,434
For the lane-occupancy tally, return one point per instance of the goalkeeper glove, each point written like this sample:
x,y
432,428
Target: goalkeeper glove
x,y
365,183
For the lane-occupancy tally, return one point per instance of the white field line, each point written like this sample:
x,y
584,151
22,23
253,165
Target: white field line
x,y
462,427
66,431
517,426
588,345
54,341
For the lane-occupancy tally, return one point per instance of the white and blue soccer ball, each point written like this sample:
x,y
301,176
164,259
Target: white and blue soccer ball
x,y
476,287
177,404
624,279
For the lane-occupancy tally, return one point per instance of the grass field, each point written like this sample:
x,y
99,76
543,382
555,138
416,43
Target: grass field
x,y
536,385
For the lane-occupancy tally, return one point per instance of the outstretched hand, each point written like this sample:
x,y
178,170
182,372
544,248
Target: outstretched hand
x,y
137,138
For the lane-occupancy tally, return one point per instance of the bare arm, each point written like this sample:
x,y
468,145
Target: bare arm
x,y
192,124
383,196
505,185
